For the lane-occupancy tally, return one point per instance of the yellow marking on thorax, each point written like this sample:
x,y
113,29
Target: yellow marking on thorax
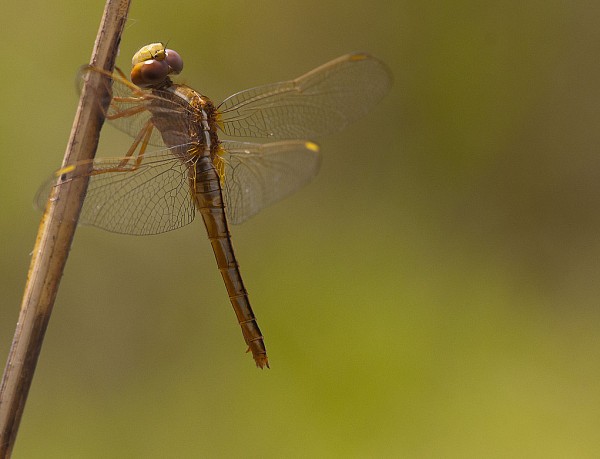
x,y
219,120
219,163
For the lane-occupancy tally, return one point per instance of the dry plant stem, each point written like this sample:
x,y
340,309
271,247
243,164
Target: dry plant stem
x,y
56,234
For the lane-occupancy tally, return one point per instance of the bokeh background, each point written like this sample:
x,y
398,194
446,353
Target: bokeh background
x,y
433,293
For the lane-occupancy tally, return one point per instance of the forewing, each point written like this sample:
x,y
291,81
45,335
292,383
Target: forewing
x,y
150,199
129,108
258,175
320,102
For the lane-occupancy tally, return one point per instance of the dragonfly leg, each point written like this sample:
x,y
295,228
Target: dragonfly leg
x,y
125,113
120,72
145,133
139,95
142,138
117,75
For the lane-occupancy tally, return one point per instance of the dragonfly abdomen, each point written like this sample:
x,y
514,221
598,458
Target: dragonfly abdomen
x,y
209,200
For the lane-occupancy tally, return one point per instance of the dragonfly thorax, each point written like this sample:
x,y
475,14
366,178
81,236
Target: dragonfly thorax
x,y
195,123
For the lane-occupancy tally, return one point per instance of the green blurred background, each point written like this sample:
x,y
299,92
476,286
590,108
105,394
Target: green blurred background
x,y
433,293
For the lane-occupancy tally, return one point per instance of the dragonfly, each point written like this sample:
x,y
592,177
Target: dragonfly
x,y
178,165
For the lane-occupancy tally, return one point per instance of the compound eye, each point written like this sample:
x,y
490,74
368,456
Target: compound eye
x,y
149,73
174,60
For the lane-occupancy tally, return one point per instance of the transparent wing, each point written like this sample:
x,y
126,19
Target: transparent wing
x,y
258,175
150,199
320,102
129,109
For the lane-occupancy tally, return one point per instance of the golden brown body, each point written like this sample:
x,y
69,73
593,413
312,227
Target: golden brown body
x,y
205,186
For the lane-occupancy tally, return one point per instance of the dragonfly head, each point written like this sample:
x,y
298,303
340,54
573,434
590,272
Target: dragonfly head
x,y
153,64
